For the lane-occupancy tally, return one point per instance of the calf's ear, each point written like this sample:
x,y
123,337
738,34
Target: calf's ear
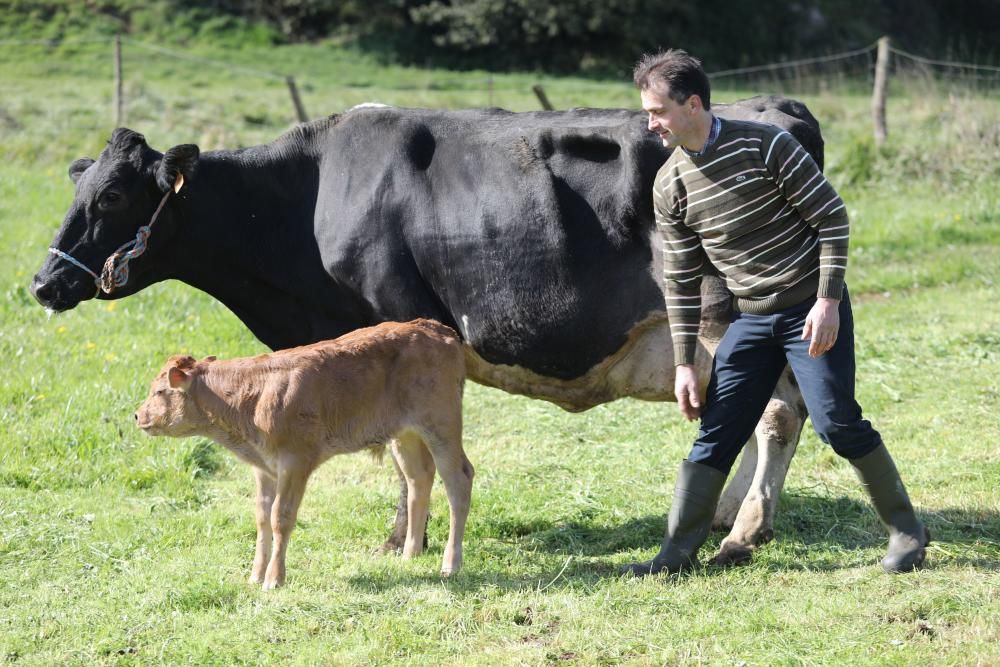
x,y
178,379
78,167
178,161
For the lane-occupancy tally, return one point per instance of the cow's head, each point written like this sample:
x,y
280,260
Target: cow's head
x,y
170,408
115,196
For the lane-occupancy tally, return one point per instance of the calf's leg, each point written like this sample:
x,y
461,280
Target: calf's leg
x,y
397,538
266,490
291,485
457,472
417,466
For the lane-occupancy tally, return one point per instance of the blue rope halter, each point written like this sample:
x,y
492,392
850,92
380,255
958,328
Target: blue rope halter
x,y
115,271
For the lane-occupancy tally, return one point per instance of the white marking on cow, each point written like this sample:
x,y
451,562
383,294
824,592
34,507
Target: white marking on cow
x,y
370,105
643,368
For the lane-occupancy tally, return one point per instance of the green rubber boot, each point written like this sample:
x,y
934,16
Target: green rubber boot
x,y
908,537
696,494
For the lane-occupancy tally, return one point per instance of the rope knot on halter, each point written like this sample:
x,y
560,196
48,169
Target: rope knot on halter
x,y
115,271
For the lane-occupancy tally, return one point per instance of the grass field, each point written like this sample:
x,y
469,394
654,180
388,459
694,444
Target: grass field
x,y
120,549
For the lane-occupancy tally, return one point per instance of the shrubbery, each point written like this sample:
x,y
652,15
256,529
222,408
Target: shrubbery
x,y
599,36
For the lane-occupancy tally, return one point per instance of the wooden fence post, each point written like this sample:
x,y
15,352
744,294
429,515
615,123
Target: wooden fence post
x,y
881,91
542,97
296,100
119,95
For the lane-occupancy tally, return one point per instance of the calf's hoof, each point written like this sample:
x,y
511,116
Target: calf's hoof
x,y
271,584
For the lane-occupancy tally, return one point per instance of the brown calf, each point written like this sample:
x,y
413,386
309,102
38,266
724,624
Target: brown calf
x,y
286,413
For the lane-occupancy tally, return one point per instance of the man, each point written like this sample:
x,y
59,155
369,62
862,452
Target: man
x,y
749,199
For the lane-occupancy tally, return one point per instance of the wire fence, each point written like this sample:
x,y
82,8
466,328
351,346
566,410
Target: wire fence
x,y
176,88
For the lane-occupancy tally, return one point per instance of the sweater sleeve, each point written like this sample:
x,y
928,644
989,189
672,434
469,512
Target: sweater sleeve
x,y
805,187
683,263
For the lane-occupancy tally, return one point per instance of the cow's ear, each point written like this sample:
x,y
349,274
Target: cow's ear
x,y
178,379
77,168
179,160
209,359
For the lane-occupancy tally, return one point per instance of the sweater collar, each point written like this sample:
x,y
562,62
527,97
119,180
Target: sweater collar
x,y
713,136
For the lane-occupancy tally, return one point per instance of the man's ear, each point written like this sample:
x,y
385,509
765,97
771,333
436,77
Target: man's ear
x,y
78,167
178,379
178,161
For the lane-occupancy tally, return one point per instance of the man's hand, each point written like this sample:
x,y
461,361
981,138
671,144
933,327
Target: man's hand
x,y
822,325
687,391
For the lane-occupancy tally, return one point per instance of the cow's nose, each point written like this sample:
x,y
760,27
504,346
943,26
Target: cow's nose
x,y
44,293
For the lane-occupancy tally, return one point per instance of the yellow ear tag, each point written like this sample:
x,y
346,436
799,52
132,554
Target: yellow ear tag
x,y
178,183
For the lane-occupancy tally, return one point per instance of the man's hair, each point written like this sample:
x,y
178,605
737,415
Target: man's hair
x,y
680,72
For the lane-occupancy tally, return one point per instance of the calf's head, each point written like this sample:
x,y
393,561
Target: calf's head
x,y
170,408
115,196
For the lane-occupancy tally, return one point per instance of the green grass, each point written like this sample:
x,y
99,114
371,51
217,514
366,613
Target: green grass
x,y
116,548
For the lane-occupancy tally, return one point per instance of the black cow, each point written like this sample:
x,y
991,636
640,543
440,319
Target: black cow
x,y
529,233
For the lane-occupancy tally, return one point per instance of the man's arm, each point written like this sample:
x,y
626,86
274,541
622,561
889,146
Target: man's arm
x,y
807,190
683,262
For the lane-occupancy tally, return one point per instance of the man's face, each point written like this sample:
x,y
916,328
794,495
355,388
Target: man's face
x,y
673,122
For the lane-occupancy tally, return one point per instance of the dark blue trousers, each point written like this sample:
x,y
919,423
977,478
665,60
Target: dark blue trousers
x,y
747,365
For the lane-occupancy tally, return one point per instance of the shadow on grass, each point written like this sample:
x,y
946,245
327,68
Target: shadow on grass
x,y
812,534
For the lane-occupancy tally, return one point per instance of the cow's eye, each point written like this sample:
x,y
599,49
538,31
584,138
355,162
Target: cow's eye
x,y
109,199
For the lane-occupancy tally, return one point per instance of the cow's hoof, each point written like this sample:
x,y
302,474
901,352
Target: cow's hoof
x,y
390,546
722,525
731,555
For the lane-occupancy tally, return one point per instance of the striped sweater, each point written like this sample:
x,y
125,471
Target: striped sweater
x,y
757,207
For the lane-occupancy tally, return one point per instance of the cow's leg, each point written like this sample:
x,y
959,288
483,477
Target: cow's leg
x,y
777,436
457,472
291,485
266,490
736,490
397,538
417,466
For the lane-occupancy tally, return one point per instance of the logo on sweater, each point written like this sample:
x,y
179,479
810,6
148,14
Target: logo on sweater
x,y
741,178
